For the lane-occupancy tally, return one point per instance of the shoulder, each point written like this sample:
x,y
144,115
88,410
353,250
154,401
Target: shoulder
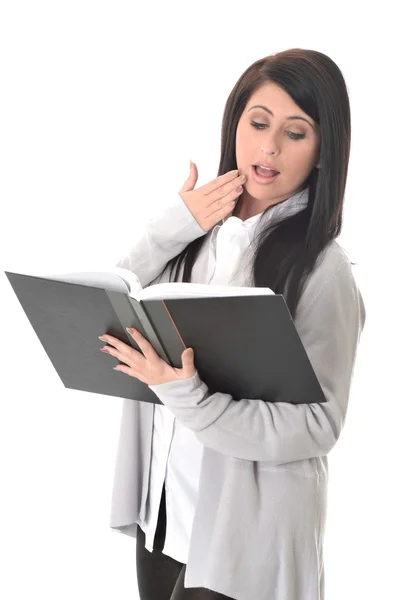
x,y
333,262
333,257
331,277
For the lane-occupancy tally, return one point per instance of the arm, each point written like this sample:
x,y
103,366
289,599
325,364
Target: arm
x,y
282,432
164,237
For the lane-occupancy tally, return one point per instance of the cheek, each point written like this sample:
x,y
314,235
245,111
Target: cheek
x,y
244,147
238,142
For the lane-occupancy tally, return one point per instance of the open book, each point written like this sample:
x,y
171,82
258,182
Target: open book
x,y
244,338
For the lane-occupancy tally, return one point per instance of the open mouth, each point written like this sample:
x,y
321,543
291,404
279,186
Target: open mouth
x,y
263,175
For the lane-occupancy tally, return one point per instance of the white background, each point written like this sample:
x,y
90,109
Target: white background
x,y
102,105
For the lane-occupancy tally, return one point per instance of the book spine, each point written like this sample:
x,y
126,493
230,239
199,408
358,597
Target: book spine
x,y
130,313
163,317
147,329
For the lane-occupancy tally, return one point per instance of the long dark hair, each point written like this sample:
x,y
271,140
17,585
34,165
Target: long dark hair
x,y
286,251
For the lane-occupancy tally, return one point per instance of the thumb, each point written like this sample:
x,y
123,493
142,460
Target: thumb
x,y
187,358
191,180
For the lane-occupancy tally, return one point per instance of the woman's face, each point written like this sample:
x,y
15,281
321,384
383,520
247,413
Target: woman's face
x,y
273,142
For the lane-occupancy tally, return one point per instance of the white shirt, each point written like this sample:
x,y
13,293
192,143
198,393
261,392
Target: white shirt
x,y
176,452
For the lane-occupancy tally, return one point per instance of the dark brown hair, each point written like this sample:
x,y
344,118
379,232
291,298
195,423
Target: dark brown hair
x,y
287,250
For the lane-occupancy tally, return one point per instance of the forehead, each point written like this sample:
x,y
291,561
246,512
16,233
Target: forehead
x,y
274,94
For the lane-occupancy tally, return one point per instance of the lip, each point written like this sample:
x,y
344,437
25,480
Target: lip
x,y
269,165
262,180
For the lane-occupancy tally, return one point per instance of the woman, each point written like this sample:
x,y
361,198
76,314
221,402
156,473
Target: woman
x,y
228,498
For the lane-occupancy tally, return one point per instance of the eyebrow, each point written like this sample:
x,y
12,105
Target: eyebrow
x,y
290,118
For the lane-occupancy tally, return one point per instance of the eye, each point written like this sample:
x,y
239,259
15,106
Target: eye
x,y
292,135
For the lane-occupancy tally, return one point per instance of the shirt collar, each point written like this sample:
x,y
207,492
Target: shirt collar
x,y
291,205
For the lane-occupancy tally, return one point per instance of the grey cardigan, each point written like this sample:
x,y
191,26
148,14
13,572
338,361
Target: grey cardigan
x,y
260,515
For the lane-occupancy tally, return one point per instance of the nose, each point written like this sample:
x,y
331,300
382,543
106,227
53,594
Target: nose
x,y
271,149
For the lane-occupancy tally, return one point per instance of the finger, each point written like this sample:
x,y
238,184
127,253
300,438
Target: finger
x,y
118,344
226,192
130,372
144,346
213,185
224,206
129,356
124,369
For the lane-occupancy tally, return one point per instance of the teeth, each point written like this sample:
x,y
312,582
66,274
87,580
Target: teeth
x,y
266,168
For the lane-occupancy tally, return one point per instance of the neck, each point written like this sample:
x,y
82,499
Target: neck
x,y
248,207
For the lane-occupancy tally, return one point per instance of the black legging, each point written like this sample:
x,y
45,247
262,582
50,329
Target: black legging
x,y
159,576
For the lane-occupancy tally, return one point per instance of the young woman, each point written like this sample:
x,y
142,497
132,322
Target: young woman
x,y
227,498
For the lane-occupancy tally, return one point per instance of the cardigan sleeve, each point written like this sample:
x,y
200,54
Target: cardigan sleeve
x,y
165,235
282,432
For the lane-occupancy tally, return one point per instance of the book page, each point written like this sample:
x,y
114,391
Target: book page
x,y
114,280
122,280
162,291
